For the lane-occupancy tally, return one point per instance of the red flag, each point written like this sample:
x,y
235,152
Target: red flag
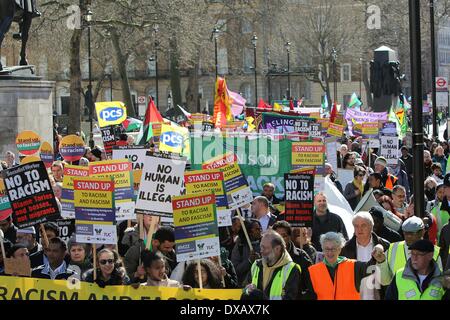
x,y
333,114
264,106
291,105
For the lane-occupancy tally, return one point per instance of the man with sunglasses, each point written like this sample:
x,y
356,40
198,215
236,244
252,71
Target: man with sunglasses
x,y
399,252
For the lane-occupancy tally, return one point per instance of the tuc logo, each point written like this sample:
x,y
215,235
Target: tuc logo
x,y
172,139
111,114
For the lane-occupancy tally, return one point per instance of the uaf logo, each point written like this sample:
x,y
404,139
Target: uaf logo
x,y
111,114
172,139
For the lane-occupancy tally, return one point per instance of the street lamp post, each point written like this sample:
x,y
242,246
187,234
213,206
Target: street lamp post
x,y
433,70
269,87
360,77
417,114
216,36
254,42
90,97
155,32
334,58
288,50
109,75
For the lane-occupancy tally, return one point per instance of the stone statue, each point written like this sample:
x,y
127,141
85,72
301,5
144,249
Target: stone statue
x,y
22,12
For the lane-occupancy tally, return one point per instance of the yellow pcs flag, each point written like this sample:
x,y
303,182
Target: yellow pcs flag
x,y
110,113
173,139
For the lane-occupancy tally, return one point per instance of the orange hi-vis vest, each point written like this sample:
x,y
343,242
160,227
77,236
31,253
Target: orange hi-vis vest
x,y
390,181
343,287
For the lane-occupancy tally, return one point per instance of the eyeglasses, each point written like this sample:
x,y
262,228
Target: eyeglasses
x,y
361,175
109,261
330,249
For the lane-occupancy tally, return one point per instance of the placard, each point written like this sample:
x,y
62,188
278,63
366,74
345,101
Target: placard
x,y
299,198
121,172
109,138
94,211
67,200
210,181
72,148
66,229
389,149
196,231
136,155
46,154
110,113
5,205
236,186
30,194
162,178
308,154
28,142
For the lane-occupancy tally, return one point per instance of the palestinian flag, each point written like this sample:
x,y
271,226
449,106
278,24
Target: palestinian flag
x,y
132,125
152,115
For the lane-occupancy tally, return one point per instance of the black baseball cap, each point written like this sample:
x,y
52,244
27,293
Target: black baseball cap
x,y
422,246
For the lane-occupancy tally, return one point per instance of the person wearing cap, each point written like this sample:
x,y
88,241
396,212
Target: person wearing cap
x,y
398,253
380,228
388,180
420,279
27,237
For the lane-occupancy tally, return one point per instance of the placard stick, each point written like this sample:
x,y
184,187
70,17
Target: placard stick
x,y
43,235
2,244
220,266
245,230
151,231
199,269
94,255
129,223
141,226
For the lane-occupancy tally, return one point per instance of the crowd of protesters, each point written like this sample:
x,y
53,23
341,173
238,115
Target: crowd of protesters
x,y
264,255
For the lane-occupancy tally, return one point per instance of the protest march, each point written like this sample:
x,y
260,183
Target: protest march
x,y
260,204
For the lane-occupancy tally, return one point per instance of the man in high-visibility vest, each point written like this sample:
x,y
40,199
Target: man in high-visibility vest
x,y
389,180
276,274
420,279
398,253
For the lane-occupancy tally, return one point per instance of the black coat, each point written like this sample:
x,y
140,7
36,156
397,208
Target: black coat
x,y
301,258
36,256
390,235
116,278
350,250
333,223
11,233
444,244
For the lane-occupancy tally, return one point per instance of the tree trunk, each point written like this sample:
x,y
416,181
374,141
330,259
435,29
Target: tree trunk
x,y
122,63
192,97
367,86
175,81
75,110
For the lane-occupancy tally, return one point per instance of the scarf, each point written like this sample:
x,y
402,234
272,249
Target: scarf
x,y
359,186
268,271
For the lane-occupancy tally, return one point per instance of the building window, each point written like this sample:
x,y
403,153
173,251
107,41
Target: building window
x,y
222,25
248,60
65,102
247,91
131,68
346,99
346,72
151,66
222,59
247,26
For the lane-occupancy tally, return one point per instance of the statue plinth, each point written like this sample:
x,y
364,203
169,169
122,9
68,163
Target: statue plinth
x,y
26,103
